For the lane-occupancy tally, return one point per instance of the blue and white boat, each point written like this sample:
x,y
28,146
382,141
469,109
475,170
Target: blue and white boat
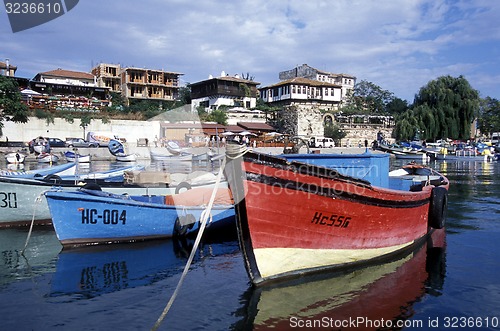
x,y
88,217
23,200
76,157
112,175
60,170
117,149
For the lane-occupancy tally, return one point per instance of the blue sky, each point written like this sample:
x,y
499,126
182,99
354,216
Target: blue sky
x,y
398,45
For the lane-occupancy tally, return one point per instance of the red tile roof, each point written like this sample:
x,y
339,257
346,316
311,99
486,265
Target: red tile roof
x,y
68,74
256,126
302,81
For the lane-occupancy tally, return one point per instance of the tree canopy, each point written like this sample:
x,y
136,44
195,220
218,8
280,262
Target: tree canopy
x,y
489,116
444,108
368,98
11,107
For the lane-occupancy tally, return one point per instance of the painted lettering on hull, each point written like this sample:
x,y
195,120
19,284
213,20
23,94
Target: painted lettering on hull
x,y
107,216
333,220
8,200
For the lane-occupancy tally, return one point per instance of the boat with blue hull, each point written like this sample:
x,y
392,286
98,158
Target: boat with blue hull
x,y
367,166
88,217
96,270
64,169
22,200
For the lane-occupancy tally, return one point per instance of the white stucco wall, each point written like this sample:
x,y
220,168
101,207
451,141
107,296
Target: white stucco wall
x,y
131,130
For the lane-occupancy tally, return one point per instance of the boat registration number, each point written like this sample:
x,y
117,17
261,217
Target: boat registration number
x,y
338,221
107,216
8,200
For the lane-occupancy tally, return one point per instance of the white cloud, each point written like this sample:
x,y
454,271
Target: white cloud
x,y
399,45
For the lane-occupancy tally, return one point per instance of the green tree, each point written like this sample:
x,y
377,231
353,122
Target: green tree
x,y
406,126
11,107
454,105
367,98
333,131
218,116
185,94
489,116
84,122
396,106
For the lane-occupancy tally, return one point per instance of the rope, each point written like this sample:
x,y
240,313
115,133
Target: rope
x,y
193,251
37,200
234,151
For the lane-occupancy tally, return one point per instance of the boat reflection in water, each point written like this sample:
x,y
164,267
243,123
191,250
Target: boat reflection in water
x,y
38,259
359,299
87,272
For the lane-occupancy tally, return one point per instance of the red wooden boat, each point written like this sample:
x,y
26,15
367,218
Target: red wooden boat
x,y
295,217
377,297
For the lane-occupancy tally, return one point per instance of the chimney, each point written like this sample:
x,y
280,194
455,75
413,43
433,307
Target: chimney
x,y
7,66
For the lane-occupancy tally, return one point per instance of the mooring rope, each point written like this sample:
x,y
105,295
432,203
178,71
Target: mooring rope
x,y
204,217
37,200
234,151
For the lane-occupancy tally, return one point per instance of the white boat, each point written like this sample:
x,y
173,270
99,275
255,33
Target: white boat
x,y
23,198
15,157
75,157
114,175
47,158
159,156
60,170
122,157
465,155
117,149
417,156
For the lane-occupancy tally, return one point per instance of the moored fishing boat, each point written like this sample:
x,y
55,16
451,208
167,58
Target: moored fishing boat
x,y
174,147
464,155
351,299
47,158
76,157
117,149
88,217
180,157
121,157
15,157
61,170
23,200
295,217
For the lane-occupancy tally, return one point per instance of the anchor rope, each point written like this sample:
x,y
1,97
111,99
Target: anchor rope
x,y
204,218
234,151
38,199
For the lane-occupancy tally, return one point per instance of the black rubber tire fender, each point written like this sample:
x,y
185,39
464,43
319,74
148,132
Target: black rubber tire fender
x,y
438,207
182,185
55,179
181,230
92,186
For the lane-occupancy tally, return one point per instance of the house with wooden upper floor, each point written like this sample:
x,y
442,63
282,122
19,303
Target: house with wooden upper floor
x,y
230,91
345,81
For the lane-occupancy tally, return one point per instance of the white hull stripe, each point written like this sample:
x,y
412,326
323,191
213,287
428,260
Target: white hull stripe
x,y
275,261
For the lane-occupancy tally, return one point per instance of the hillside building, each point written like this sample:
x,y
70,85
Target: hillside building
x,y
138,83
345,81
230,91
7,69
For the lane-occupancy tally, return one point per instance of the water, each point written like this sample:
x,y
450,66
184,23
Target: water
x,y
127,286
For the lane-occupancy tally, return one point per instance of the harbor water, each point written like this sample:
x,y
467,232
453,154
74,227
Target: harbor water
x,y
451,282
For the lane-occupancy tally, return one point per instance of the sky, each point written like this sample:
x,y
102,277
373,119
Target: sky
x,y
397,45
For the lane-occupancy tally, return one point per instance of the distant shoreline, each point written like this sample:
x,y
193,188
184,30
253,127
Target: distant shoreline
x,y
102,153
